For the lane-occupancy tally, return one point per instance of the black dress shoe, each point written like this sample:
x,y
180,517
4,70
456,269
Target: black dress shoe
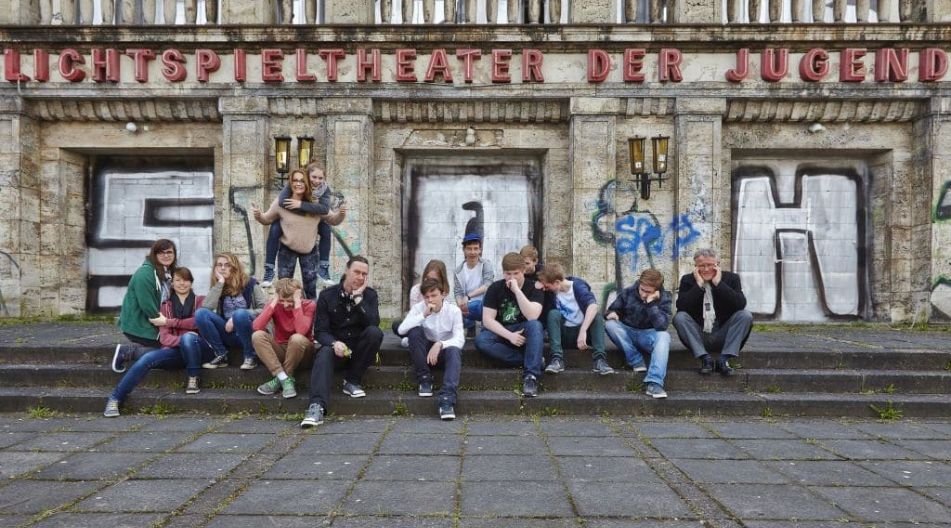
x,y
706,365
723,366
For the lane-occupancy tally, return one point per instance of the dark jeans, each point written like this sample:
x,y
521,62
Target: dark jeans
x,y
727,339
529,355
450,359
560,336
475,314
195,351
274,242
163,358
286,262
364,349
211,326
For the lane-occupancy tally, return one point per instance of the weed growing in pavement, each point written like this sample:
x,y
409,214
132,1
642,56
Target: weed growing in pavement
x,y
405,385
551,411
766,412
400,409
774,389
159,409
889,389
948,365
887,411
40,413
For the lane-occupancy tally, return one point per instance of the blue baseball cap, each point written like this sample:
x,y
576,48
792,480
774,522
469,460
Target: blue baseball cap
x,y
472,237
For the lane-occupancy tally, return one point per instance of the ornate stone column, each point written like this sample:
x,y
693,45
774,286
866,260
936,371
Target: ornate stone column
x,y
86,12
592,11
699,12
935,10
350,12
350,171
244,179
702,189
247,12
169,8
592,160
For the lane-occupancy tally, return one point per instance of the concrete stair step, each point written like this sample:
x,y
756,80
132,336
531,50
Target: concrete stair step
x,y
224,401
393,354
580,379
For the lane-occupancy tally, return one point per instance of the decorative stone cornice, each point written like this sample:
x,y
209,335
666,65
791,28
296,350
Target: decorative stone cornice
x,y
472,111
142,110
649,106
860,111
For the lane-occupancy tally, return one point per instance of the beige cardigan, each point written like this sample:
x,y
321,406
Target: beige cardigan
x,y
299,231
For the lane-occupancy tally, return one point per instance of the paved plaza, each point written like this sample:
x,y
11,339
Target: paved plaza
x,y
246,471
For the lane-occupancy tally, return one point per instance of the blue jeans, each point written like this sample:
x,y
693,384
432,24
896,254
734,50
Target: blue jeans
x,y
274,242
529,355
450,359
475,314
163,358
634,342
211,326
286,262
195,351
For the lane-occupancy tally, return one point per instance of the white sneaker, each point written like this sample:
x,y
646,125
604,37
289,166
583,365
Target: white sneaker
x,y
404,342
249,364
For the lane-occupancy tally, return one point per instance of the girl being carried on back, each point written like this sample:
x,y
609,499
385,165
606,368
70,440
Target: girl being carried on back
x,y
318,204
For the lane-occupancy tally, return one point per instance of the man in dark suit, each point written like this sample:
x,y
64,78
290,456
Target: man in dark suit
x,y
710,313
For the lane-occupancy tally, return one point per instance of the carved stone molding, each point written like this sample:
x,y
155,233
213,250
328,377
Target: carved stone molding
x,y
650,106
474,111
144,110
860,111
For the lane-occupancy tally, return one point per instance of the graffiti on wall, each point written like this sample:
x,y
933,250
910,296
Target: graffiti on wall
x,y
9,268
137,201
445,202
639,237
800,241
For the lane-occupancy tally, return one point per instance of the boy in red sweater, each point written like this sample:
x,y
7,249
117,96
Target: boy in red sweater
x,y
293,337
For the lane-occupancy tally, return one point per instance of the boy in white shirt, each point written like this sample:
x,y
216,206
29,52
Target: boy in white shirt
x,y
436,336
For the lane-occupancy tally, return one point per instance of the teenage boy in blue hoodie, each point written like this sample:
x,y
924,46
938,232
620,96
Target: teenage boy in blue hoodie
x,y
575,319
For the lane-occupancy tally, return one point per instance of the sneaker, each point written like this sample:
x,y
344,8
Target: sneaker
x,y
706,365
426,387
192,386
313,417
555,366
218,362
639,368
268,276
446,412
121,356
249,364
723,366
287,388
404,342
326,281
112,408
655,391
270,387
530,386
601,367
353,390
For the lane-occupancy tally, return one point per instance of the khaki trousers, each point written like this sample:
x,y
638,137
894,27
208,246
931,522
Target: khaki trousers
x,y
277,357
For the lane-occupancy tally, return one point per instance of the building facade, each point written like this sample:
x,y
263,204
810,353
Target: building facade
x,y
813,152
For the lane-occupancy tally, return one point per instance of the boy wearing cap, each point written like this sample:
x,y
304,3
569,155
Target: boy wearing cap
x,y
472,278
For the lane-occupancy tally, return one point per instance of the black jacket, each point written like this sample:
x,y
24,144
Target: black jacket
x,y
728,297
634,312
340,319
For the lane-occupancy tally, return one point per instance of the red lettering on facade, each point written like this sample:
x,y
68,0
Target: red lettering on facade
x,y
891,65
373,64
851,65
438,65
599,65
669,65
774,64
240,65
742,69
105,65
11,66
207,62
932,64
68,60
41,65
300,72
331,56
532,66
140,61
633,64
468,56
814,65
405,65
272,65
500,65
173,67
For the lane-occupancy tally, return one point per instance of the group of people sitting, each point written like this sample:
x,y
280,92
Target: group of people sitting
x,y
170,327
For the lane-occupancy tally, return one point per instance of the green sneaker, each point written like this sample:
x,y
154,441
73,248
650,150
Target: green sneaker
x,y
270,387
289,390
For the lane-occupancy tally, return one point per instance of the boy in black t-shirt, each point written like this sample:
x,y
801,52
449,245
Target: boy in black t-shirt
x,y
511,332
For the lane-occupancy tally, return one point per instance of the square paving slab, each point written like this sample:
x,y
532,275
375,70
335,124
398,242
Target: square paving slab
x,y
191,465
289,497
886,504
507,468
404,498
143,496
514,499
298,465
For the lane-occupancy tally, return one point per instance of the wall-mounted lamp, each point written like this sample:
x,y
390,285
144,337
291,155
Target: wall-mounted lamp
x,y
282,149
305,149
642,177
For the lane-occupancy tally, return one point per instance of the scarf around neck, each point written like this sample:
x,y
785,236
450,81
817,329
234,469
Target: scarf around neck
x,y
183,310
709,314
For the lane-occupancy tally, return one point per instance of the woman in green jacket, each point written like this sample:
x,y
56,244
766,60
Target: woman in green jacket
x,y
139,317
